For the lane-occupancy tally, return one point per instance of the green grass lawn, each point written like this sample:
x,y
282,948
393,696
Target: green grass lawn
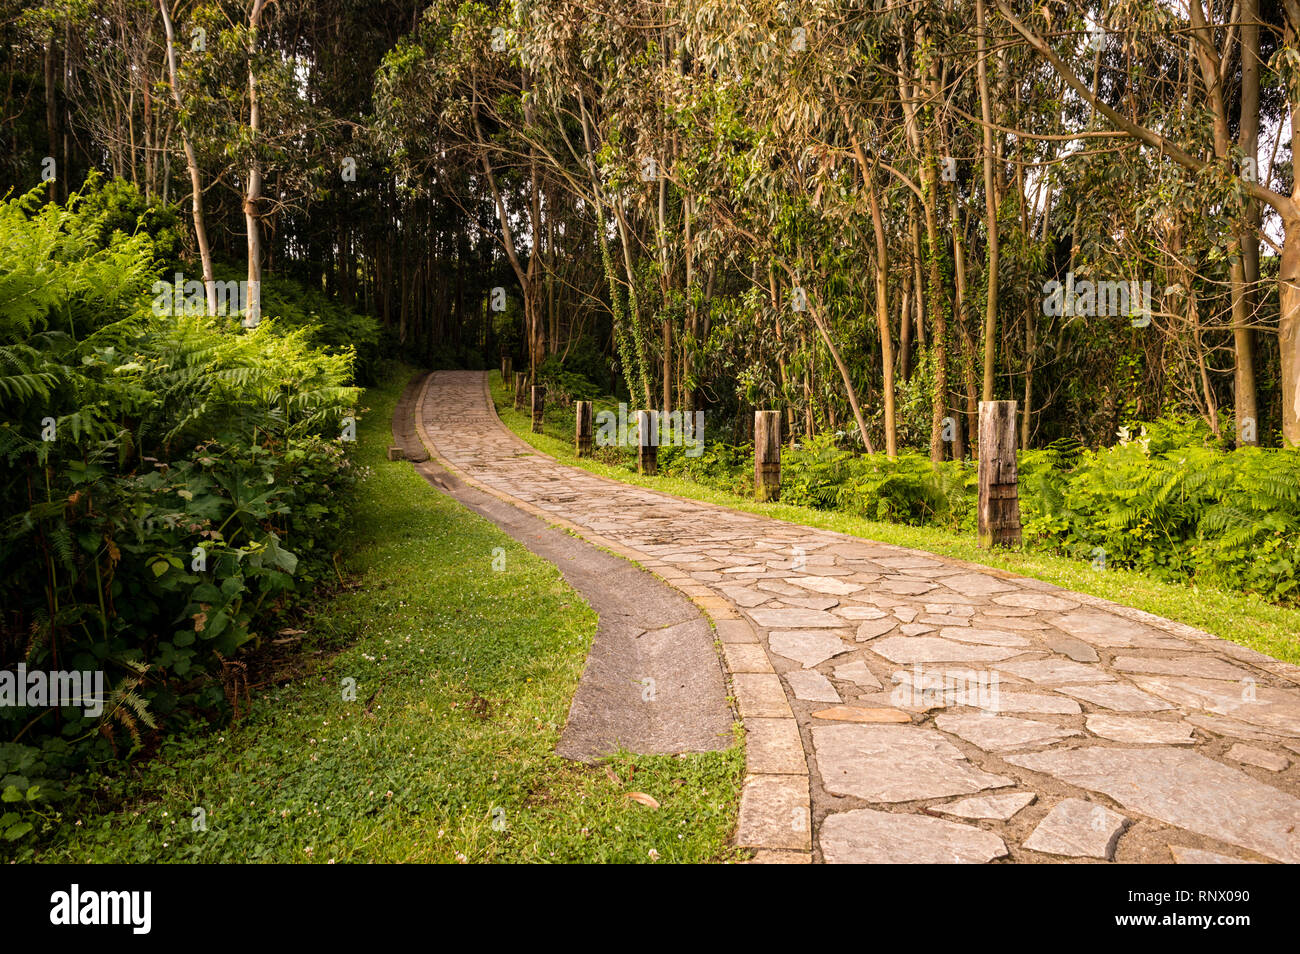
x,y
1244,619
463,678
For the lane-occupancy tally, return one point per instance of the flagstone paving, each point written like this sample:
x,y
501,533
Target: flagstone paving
x,y
905,707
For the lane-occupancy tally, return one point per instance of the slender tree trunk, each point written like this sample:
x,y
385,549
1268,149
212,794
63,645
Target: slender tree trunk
x,y
192,164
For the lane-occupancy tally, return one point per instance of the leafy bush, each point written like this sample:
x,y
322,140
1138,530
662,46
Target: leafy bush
x,y
166,485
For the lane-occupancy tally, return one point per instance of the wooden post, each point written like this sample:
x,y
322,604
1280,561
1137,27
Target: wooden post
x,y
999,504
539,404
767,455
395,453
507,368
647,451
521,380
582,427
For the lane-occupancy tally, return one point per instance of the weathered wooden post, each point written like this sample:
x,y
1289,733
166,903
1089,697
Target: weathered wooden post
x,y
521,381
539,404
647,450
999,504
507,368
395,453
767,455
582,427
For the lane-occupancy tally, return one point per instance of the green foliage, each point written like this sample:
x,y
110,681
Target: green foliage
x,y
167,483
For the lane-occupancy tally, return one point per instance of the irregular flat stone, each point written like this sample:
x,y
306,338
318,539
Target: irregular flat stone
x,y
1032,702
759,695
1262,758
871,628
861,612
988,637
977,584
1036,601
907,587
870,837
1277,710
907,614
1206,667
1111,631
813,602
996,807
793,618
862,714
808,647
744,596
999,733
857,672
811,686
824,584
1076,649
916,629
1009,622
955,687
1230,727
1137,730
895,763
1185,789
1051,671
910,649
1199,856
1078,829
944,619
951,609
906,562
1119,697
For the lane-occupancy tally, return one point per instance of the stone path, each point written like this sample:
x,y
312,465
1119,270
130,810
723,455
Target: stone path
x,y
905,707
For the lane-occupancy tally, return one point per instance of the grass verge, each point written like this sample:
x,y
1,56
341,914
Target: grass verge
x,y
1241,618
463,678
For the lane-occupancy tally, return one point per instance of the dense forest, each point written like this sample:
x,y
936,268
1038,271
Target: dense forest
x,y
869,216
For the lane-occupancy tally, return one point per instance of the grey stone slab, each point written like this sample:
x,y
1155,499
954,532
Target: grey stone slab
x,y
1275,710
1076,649
808,647
774,813
977,584
1078,829
825,584
1260,758
871,837
795,618
1003,701
1118,697
744,595
987,637
871,628
1036,601
1056,671
906,587
1200,665
856,612
1000,733
993,807
858,673
912,649
1185,789
1113,632
895,763
811,686
1140,731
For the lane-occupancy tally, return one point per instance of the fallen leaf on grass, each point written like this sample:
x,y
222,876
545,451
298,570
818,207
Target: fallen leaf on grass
x,y
643,798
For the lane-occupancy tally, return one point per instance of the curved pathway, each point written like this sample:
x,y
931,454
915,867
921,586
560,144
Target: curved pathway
x,y
905,707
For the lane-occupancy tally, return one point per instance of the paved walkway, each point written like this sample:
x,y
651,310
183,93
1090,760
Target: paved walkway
x,y
905,707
